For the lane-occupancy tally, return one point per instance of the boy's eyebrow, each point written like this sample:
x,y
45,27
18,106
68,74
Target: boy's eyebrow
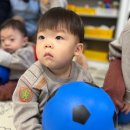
x,y
2,36
60,30
55,30
7,36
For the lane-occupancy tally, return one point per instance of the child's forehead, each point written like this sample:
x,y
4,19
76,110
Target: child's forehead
x,y
11,31
55,29
10,28
54,25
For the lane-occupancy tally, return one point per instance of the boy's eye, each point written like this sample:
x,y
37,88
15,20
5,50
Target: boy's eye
x,y
59,37
41,37
11,39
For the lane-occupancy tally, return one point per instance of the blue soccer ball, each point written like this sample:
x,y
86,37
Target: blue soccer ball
x,y
123,118
4,75
79,106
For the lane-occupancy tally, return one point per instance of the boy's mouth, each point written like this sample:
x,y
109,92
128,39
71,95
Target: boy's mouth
x,y
9,50
47,55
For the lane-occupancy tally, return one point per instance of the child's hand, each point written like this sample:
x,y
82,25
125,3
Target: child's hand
x,y
126,108
18,18
45,2
82,60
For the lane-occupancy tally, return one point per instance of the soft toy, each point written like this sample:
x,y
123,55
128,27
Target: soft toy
x,y
79,106
4,75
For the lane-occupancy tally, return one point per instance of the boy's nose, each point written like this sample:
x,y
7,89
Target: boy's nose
x,y
6,43
49,45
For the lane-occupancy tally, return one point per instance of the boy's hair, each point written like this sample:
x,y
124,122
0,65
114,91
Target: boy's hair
x,y
59,17
15,24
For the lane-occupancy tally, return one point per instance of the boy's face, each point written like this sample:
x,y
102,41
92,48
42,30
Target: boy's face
x,y
56,48
12,39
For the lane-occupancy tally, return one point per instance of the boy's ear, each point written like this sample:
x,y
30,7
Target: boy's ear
x,y
25,40
78,49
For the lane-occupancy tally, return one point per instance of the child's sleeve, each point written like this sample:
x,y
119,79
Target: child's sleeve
x,y
126,61
114,83
20,60
26,112
27,115
29,97
115,49
116,46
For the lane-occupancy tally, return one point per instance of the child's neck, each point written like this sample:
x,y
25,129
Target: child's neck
x,y
62,73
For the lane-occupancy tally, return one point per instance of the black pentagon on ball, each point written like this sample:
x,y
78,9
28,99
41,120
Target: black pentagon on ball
x,y
80,114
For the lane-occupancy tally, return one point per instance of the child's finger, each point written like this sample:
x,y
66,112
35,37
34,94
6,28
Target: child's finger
x,y
126,108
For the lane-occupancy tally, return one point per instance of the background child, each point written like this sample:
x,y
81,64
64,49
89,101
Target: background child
x,y
16,53
117,81
27,11
59,39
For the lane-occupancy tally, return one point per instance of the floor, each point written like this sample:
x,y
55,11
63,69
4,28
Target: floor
x,y
6,116
98,71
